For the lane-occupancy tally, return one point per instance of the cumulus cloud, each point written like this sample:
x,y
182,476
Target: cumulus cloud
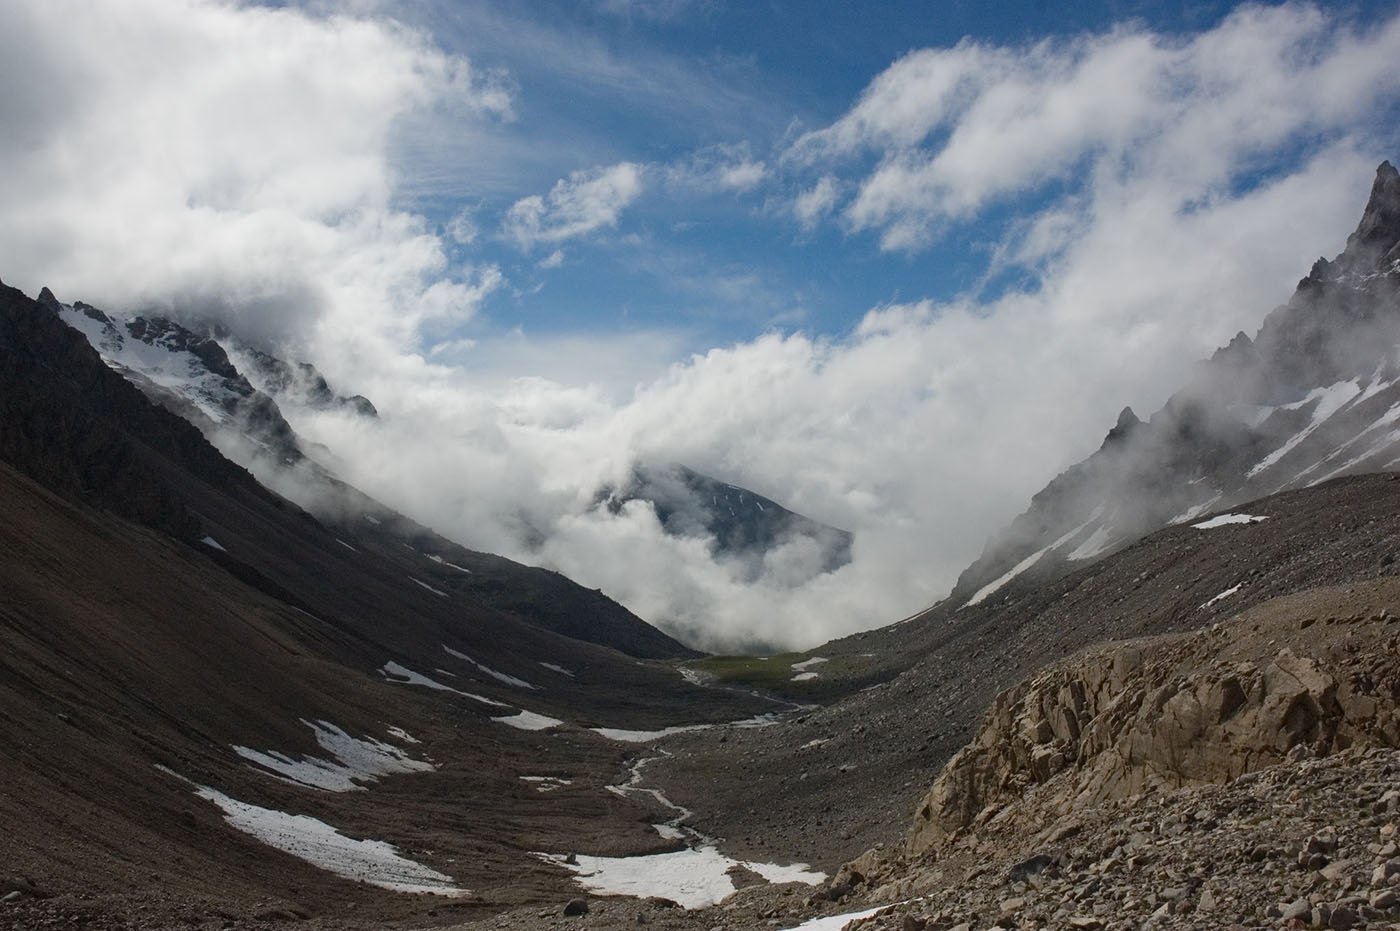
x,y
201,154
577,205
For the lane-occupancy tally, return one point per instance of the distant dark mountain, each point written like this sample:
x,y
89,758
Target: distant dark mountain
x,y
1314,395
743,525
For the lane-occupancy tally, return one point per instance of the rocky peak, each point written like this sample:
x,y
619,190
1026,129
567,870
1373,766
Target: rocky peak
x,y
48,301
1376,240
1127,423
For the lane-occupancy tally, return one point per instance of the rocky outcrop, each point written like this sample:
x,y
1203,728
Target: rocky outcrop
x,y
1155,715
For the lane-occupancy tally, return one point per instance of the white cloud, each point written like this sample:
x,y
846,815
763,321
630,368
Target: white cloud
x,y
954,129
814,204
719,168
554,260
577,205
223,158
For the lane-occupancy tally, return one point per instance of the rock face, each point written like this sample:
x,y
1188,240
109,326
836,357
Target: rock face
x,y
1155,715
1314,395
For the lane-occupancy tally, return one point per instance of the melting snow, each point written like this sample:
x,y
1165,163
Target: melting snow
x,y
354,761
403,735
405,676
529,721
1329,400
804,676
836,922
1222,520
371,861
559,669
210,541
617,733
1029,561
499,676
435,591
1225,594
691,878
546,783
807,664
1101,539
346,545
637,737
450,565
1194,511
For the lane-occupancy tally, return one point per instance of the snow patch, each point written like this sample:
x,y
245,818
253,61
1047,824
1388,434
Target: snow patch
x,y
1223,520
401,734
636,737
405,676
691,878
628,736
371,861
346,545
991,587
529,721
1098,541
807,664
451,565
837,922
1225,594
559,669
498,676
547,783
1329,400
804,677
353,761
435,591
210,541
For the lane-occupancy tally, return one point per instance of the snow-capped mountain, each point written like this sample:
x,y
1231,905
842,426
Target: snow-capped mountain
x,y
193,375
1314,395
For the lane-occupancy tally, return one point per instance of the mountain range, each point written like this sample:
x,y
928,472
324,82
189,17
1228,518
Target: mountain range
x,y
1167,696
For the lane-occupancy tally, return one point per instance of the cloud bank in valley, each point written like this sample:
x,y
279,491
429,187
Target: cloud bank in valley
x,y
1151,195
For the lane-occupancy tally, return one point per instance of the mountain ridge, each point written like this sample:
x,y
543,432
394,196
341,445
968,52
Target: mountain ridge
x,y
1313,395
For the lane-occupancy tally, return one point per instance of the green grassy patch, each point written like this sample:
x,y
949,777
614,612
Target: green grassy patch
x,y
775,673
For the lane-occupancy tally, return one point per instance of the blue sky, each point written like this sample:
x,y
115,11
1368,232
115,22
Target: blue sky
x,y
660,83
892,265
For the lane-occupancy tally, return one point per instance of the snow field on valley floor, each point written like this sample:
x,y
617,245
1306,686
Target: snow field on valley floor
x,y
370,861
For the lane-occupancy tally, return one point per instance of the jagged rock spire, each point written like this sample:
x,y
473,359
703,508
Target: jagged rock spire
x,y
1377,236
47,300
